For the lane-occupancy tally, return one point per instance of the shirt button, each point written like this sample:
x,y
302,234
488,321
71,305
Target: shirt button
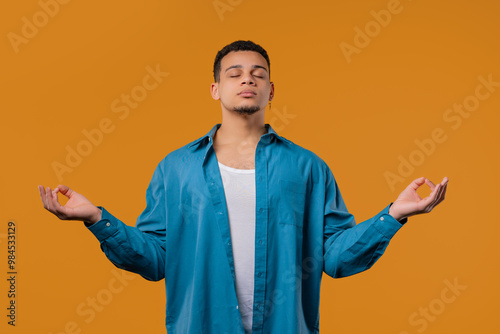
x,y
236,306
260,242
211,183
220,212
382,218
260,178
259,274
108,224
261,209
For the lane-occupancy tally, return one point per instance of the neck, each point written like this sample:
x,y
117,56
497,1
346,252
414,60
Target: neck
x,y
240,130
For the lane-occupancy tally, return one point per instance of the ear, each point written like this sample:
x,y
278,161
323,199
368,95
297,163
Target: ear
x,y
271,93
214,90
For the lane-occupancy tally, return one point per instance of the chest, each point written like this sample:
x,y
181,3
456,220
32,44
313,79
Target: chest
x,y
240,157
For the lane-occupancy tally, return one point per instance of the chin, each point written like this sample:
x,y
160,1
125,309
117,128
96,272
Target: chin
x,y
246,109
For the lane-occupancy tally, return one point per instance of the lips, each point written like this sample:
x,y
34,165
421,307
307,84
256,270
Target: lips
x,y
247,93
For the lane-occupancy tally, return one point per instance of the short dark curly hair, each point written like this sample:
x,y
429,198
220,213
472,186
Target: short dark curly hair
x,y
238,46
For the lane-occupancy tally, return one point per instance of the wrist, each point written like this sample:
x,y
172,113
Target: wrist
x,y
95,217
396,216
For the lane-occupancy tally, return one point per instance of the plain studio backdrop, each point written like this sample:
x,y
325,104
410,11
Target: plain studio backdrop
x,y
94,94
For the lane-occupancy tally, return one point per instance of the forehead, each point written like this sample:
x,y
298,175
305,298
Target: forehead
x,y
244,58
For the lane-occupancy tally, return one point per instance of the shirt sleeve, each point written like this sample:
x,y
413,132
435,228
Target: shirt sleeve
x,y
351,248
139,249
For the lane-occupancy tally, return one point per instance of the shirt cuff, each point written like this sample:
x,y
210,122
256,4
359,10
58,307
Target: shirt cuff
x,y
105,227
387,224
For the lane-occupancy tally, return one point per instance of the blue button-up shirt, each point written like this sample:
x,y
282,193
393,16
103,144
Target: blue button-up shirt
x,y
302,229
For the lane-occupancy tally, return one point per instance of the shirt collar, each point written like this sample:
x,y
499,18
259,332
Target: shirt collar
x,y
266,137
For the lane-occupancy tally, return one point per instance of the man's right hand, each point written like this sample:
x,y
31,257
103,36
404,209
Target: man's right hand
x,y
77,208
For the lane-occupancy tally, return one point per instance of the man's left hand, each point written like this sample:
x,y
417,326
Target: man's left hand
x,y
409,203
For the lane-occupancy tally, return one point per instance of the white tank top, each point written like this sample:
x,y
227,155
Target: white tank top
x,y
239,189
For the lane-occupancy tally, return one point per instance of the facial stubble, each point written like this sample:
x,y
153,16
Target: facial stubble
x,y
246,110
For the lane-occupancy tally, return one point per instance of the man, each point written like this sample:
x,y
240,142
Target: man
x,y
242,222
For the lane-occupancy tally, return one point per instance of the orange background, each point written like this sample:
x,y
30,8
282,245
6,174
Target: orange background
x,y
360,116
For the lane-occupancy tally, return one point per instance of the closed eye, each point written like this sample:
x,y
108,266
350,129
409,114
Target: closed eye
x,y
257,76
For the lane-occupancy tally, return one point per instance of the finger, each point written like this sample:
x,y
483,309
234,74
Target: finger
x,y
433,187
436,197
417,183
426,201
41,190
430,184
56,206
55,191
65,190
445,188
52,201
442,194
48,192
445,181
431,199
439,197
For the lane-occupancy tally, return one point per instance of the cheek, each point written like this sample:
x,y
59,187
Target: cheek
x,y
224,95
266,93
224,91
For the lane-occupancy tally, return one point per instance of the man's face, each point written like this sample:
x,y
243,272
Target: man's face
x,y
244,85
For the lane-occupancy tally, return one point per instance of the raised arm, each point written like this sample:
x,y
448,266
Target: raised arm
x,y
139,249
351,248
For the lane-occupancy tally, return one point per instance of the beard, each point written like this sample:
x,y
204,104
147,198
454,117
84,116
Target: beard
x,y
246,110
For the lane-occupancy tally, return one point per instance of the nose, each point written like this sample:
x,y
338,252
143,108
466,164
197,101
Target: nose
x,y
247,79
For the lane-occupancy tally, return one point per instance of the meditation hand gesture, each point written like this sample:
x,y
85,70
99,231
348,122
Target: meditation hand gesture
x,y
77,208
409,203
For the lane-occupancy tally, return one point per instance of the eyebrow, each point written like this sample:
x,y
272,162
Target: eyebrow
x,y
239,66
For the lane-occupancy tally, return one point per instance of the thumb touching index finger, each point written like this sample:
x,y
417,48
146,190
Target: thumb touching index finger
x,y
65,190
